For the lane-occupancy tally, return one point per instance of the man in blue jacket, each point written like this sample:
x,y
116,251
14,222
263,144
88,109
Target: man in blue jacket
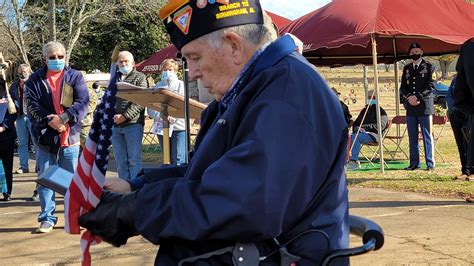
x,y
17,92
57,100
268,163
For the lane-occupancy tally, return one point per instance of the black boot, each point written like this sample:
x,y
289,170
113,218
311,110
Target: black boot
x,y
6,197
35,196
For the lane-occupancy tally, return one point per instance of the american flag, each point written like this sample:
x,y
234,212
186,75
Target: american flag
x,y
85,190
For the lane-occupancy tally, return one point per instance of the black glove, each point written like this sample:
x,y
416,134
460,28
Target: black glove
x,y
112,219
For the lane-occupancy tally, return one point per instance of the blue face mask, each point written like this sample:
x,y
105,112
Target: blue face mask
x,y
164,75
168,74
372,102
56,65
125,70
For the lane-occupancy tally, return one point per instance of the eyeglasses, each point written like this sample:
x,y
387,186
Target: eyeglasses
x,y
54,57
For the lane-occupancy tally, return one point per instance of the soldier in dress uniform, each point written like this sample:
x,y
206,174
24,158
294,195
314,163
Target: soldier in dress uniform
x,y
418,82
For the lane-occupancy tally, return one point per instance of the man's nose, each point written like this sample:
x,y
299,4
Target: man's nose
x,y
194,72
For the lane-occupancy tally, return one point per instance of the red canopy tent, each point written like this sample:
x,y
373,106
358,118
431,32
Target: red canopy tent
x,y
340,32
349,32
152,64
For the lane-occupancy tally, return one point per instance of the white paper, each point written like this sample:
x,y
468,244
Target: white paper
x,y
157,128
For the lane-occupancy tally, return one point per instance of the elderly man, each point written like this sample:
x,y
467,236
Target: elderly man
x,y
416,89
128,122
260,174
17,92
57,100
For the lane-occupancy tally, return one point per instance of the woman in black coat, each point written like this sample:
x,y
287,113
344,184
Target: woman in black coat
x,y
7,139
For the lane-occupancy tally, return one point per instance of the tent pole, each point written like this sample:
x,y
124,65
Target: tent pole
x,y
366,84
377,93
397,84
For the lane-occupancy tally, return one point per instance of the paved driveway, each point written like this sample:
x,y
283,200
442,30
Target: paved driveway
x,y
419,229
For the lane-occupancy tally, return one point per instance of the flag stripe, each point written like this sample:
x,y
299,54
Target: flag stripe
x,y
85,190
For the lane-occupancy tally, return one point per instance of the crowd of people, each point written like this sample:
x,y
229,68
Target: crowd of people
x,y
237,187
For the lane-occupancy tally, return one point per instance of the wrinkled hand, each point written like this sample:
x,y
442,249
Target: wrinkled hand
x,y
55,122
171,119
2,129
119,119
112,219
117,185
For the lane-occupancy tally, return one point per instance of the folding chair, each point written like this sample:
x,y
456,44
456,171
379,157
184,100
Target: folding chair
x,y
149,138
374,146
396,139
440,121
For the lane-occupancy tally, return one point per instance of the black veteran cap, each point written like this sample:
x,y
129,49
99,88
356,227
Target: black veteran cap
x,y
186,20
413,46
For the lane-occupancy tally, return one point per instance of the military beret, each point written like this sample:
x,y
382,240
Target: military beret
x,y
187,20
413,46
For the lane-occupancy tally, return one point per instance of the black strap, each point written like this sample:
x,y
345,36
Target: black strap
x,y
242,255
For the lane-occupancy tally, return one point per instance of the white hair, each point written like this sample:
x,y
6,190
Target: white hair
x,y
53,47
25,66
255,34
127,55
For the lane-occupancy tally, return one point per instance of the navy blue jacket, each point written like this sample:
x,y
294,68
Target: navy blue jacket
x,y
40,103
15,94
421,84
464,92
272,165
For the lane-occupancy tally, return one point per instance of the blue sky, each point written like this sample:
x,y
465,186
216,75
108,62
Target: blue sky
x,y
292,9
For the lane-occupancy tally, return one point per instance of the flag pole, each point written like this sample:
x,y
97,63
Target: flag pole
x,y
184,64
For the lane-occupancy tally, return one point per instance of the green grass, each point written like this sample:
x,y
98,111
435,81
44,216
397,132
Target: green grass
x,y
439,183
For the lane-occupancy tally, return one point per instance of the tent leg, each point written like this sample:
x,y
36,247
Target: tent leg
x,y
397,84
397,96
366,84
377,93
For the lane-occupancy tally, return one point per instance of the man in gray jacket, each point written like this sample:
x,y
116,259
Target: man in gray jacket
x,y
128,122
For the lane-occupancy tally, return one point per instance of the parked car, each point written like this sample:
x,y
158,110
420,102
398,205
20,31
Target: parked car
x,y
439,93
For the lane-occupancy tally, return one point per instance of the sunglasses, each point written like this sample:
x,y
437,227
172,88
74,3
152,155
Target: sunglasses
x,y
56,57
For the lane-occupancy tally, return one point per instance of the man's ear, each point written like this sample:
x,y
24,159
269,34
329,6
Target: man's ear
x,y
237,46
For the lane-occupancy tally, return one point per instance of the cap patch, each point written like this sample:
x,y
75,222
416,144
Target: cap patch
x,y
182,19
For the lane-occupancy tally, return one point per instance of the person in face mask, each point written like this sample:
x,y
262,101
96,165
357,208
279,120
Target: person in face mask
x,y
17,92
129,120
418,82
365,129
169,80
56,101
